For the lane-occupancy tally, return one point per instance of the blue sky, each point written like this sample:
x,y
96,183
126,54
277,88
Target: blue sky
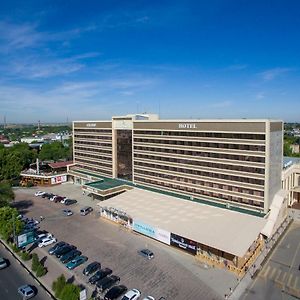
x,y
80,60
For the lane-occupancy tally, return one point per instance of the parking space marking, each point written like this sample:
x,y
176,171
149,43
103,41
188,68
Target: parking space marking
x,y
274,270
266,271
289,280
295,283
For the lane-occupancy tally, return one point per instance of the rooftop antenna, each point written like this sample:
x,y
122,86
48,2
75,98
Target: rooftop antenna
x,y
39,125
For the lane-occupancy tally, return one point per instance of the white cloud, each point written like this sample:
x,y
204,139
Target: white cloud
x,y
260,95
222,104
271,74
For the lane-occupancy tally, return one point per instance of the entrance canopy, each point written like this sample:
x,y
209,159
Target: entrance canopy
x,y
222,229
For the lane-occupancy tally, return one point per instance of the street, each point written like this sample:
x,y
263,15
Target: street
x,y
13,277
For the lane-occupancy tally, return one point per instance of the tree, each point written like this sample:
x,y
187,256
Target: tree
x,y
70,292
58,285
53,151
9,223
6,194
35,262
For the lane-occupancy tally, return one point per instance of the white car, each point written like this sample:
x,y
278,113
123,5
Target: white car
x,y
149,298
53,198
47,241
39,193
43,236
64,200
133,294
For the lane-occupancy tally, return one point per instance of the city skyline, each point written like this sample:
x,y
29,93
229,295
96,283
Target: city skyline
x,y
225,59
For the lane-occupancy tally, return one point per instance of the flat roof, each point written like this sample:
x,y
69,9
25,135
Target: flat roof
x,y
105,184
222,229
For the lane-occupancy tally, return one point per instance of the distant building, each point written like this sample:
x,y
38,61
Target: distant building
x,y
295,148
3,139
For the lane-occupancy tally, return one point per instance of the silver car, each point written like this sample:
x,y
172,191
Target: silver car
x,y
26,291
3,263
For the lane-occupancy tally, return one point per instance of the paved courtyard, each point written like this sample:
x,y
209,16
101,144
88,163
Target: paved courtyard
x,y
172,274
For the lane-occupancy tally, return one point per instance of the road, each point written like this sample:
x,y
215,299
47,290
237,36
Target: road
x,y
13,277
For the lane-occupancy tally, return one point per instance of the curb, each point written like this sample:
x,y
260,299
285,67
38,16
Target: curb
x,y
27,270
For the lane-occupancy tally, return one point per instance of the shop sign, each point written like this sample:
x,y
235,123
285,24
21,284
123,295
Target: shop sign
x,y
58,179
162,236
184,243
144,228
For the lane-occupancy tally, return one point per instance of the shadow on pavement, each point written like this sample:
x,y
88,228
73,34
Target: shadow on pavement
x,y
71,279
43,260
22,205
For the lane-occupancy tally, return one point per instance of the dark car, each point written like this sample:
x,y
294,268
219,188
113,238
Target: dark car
x,y
46,195
58,199
69,256
107,282
56,247
63,250
146,253
99,275
50,195
91,268
115,292
70,201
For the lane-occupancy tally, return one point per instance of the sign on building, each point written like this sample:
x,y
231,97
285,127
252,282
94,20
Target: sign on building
x,y
184,243
25,239
58,179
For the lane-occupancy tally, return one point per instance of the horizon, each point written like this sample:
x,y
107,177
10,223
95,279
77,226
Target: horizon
x,y
217,60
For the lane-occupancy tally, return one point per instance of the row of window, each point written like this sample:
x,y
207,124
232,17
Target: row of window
x,y
91,149
77,154
221,135
199,173
90,130
94,169
101,164
194,191
203,154
92,143
200,163
202,144
93,137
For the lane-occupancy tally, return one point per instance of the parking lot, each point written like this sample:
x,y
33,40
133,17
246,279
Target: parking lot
x,y
171,274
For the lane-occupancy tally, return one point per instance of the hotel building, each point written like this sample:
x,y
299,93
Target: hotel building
x,y
237,163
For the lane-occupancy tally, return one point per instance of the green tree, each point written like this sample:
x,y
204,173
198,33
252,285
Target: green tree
x,y
70,292
6,194
9,223
35,262
53,151
58,285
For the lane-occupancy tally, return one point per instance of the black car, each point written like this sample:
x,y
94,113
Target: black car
x,y
115,292
50,195
63,250
91,268
69,256
99,275
70,201
46,195
56,247
107,282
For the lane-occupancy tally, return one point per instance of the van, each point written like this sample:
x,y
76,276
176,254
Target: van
x,y
86,210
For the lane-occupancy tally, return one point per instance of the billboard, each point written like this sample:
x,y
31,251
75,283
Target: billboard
x,y
58,179
155,233
184,243
25,239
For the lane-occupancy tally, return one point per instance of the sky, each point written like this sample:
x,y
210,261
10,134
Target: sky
x,y
90,60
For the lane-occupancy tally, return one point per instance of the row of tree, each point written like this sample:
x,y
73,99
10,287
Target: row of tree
x,y
288,142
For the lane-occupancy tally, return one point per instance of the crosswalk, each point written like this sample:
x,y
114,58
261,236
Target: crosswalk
x,y
281,277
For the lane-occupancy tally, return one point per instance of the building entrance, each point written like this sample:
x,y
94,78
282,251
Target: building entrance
x,y
124,154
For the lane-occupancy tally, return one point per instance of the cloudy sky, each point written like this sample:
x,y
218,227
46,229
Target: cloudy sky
x,y
80,60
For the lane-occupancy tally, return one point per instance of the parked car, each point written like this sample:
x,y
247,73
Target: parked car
x,y
56,247
85,210
107,282
39,193
42,236
146,253
67,212
133,294
69,256
58,199
115,292
53,198
91,268
63,250
26,291
50,195
45,195
46,242
70,201
76,262
99,275
3,263
63,200
149,298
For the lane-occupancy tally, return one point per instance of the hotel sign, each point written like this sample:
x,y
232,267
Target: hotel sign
x,y
91,125
187,126
184,243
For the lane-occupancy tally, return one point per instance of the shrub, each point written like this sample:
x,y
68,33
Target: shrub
x,y
58,285
35,262
25,255
29,184
41,270
70,292
15,248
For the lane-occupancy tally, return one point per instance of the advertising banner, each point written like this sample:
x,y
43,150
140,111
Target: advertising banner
x,y
184,243
162,236
25,239
58,179
144,228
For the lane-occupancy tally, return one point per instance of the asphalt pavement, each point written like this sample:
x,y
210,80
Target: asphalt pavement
x,y
13,277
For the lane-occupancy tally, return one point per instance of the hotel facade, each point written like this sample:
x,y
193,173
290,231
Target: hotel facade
x,y
237,163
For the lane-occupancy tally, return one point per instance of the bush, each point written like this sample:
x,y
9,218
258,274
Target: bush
x,y
35,262
58,285
70,292
29,184
41,270
15,248
25,255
